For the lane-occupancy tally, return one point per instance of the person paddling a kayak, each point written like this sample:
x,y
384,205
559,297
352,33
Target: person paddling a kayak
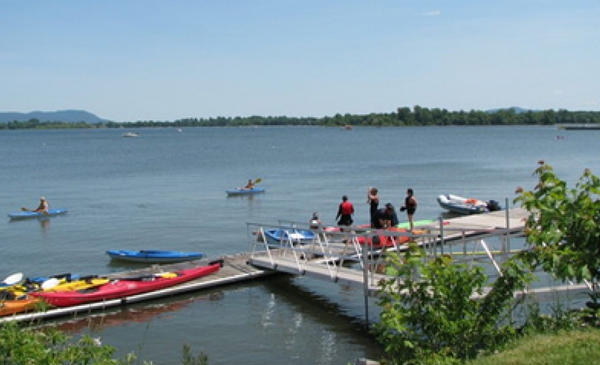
x,y
43,207
250,185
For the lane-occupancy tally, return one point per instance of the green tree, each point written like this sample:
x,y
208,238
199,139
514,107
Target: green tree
x,y
428,311
563,227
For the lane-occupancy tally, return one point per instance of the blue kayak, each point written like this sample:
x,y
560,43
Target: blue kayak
x,y
295,236
240,191
28,214
154,256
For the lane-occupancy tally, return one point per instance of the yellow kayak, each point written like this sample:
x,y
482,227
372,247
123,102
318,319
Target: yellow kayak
x,y
77,285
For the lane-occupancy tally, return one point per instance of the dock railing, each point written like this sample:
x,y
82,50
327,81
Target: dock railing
x,y
357,255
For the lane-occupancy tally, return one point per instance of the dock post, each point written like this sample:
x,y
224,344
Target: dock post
x,y
507,214
441,220
366,282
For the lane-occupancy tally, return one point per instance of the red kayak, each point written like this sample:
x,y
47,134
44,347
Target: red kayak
x,y
119,288
384,240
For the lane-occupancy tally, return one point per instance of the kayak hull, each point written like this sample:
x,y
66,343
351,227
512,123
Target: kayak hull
x,y
29,215
245,191
8,307
154,256
122,288
295,236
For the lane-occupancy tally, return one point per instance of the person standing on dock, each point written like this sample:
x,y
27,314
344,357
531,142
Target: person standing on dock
x,y
410,205
373,201
345,212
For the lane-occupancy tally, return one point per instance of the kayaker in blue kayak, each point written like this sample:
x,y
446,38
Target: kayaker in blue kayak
x,y
250,185
42,208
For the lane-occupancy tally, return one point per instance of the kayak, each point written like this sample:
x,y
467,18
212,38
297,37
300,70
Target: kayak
x,y
424,222
124,287
384,240
297,236
154,256
80,284
23,304
27,214
240,191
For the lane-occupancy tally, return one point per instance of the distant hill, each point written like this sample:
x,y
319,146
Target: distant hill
x,y
67,116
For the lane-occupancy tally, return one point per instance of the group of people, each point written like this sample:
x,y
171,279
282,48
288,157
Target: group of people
x,y
381,218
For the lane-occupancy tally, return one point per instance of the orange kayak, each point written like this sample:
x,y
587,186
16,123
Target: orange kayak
x,y
8,307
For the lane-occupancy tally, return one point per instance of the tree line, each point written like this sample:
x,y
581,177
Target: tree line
x,y
405,116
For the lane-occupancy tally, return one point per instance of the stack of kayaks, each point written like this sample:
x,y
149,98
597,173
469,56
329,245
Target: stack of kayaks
x,y
12,297
18,294
126,286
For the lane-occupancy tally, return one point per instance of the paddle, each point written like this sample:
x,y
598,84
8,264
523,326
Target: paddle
x,y
33,211
50,283
257,181
164,275
13,279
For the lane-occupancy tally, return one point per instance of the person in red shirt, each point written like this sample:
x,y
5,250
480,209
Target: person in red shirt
x,y
345,212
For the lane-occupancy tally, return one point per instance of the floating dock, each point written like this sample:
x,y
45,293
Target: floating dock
x,y
235,269
332,255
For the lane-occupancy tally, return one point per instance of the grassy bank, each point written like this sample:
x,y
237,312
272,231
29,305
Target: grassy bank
x,y
581,347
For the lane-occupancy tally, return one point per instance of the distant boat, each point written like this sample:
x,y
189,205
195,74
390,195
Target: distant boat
x,y
130,134
580,127
347,127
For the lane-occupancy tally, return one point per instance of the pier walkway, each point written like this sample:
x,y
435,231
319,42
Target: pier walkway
x,y
341,257
485,239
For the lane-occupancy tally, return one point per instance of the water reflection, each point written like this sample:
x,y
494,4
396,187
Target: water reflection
x,y
120,316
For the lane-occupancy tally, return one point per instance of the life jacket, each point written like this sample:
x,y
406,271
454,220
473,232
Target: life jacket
x,y
347,208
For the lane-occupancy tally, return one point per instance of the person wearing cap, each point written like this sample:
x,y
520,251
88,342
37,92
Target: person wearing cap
x,y
43,207
385,217
345,212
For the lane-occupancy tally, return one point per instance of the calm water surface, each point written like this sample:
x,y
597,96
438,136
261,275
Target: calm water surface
x,y
166,190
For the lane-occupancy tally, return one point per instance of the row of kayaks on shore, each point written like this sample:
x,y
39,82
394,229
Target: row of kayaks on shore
x,y
18,294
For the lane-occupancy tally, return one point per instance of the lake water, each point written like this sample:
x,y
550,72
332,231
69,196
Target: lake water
x,y
166,190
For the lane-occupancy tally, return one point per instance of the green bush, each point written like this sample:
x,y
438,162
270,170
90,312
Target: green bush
x,y
429,314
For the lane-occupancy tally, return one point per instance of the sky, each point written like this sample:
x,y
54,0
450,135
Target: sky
x,y
132,60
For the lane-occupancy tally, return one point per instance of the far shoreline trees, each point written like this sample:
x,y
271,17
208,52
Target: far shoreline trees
x,y
404,116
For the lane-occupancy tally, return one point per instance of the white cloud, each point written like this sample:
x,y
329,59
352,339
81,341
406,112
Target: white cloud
x,y
432,13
